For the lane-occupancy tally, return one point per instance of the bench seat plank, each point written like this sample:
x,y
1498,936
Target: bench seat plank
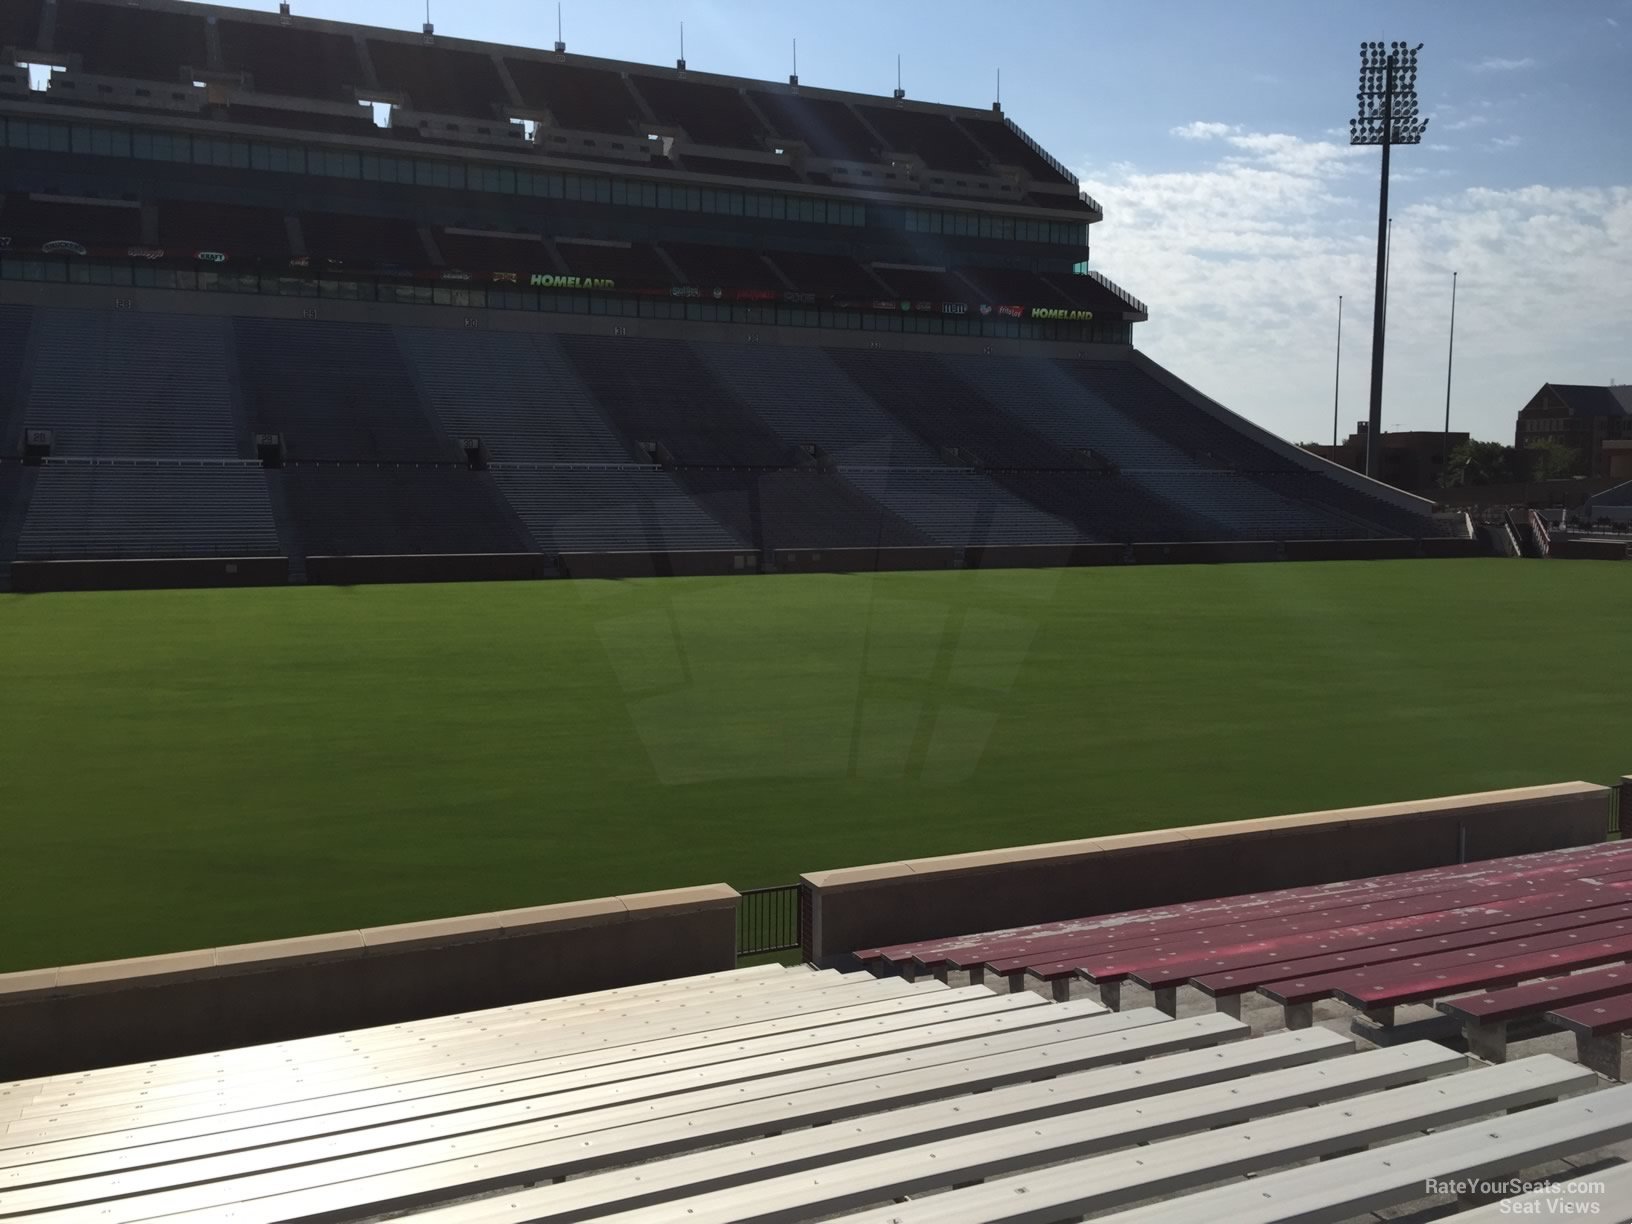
x,y
1537,998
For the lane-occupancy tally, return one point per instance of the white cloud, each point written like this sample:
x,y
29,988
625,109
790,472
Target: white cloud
x,y
1497,64
1242,256
1462,125
1506,142
1201,130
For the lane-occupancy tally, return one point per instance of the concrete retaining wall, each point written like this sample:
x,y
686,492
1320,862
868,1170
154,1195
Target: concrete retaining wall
x,y
115,1012
426,567
658,564
143,574
888,903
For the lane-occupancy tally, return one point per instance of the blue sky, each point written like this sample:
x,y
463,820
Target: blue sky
x,y
1215,137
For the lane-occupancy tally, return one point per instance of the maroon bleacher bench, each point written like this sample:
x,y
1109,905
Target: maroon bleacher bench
x,y
1486,1018
1600,1029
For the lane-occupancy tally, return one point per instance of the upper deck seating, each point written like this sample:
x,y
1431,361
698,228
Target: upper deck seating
x,y
740,169
292,61
830,128
335,391
658,391
924,285
610,510
835,274
808,400
1007,148
391,510
30,222
514,391
580,99
1059,289
439,79
19,23
363,242
632,265
476,252
726,267
710,114
149,44
92,511
128,384
235,230
935,138
360,124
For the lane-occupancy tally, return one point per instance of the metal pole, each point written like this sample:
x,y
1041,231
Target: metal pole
x,y
1337,378
1374,426
1450,356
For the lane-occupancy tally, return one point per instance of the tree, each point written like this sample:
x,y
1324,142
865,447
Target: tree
x,y
1483,463
1550,459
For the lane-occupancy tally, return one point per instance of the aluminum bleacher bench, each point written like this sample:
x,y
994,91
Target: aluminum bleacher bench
x,y
1182,1163
1600,1027
1485,1017
802,1175
1399,1173
516,1140
1601,1195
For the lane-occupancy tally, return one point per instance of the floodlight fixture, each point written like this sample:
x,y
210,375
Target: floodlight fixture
x,y
1386,115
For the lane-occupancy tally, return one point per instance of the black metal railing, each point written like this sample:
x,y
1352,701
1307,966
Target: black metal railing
x,y
768,920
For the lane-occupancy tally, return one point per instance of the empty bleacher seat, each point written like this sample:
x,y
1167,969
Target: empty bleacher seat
x,y
794,508
658,391
610,510
1007,148
478,252
149,44
807,399
580,99
439,79
122,384
830,128
235,230
709,114
934,137
296,62
15,325
112,510
515,392
920,285
359,124
387,510
945,411
740,169
19,23
959,508
363,241
335,391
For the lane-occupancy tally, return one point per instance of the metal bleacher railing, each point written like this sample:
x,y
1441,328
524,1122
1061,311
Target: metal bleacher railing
x,y
1105,283
768,920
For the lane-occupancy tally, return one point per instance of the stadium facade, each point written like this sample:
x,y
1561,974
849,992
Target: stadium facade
x,y
278,293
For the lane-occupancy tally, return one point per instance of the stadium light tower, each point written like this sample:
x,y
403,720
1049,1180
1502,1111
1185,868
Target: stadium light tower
x,y
1387,116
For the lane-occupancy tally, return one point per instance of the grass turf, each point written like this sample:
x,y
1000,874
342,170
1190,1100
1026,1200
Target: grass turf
x,y
192,768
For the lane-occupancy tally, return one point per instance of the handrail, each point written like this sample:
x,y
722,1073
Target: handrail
x,y
1104,282
1544,540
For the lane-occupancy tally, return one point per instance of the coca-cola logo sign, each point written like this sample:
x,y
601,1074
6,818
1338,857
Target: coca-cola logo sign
x,y
138,252
62,246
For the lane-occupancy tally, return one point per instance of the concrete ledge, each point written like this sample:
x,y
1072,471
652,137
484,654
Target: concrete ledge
x,y
890,903
113,1012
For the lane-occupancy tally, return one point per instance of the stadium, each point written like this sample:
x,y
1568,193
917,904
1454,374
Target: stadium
x,y
594,640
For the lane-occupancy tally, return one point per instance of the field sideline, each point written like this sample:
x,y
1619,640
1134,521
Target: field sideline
x,y
185,769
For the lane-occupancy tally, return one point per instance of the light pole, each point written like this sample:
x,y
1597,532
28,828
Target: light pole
x,y
1337,378
1450,356
1387,117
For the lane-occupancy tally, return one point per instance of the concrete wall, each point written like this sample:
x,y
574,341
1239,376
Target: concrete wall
x,y
426,567
115,1012
148,574
888,903
659,564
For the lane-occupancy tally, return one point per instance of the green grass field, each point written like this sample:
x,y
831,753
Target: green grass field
x,y
185,769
